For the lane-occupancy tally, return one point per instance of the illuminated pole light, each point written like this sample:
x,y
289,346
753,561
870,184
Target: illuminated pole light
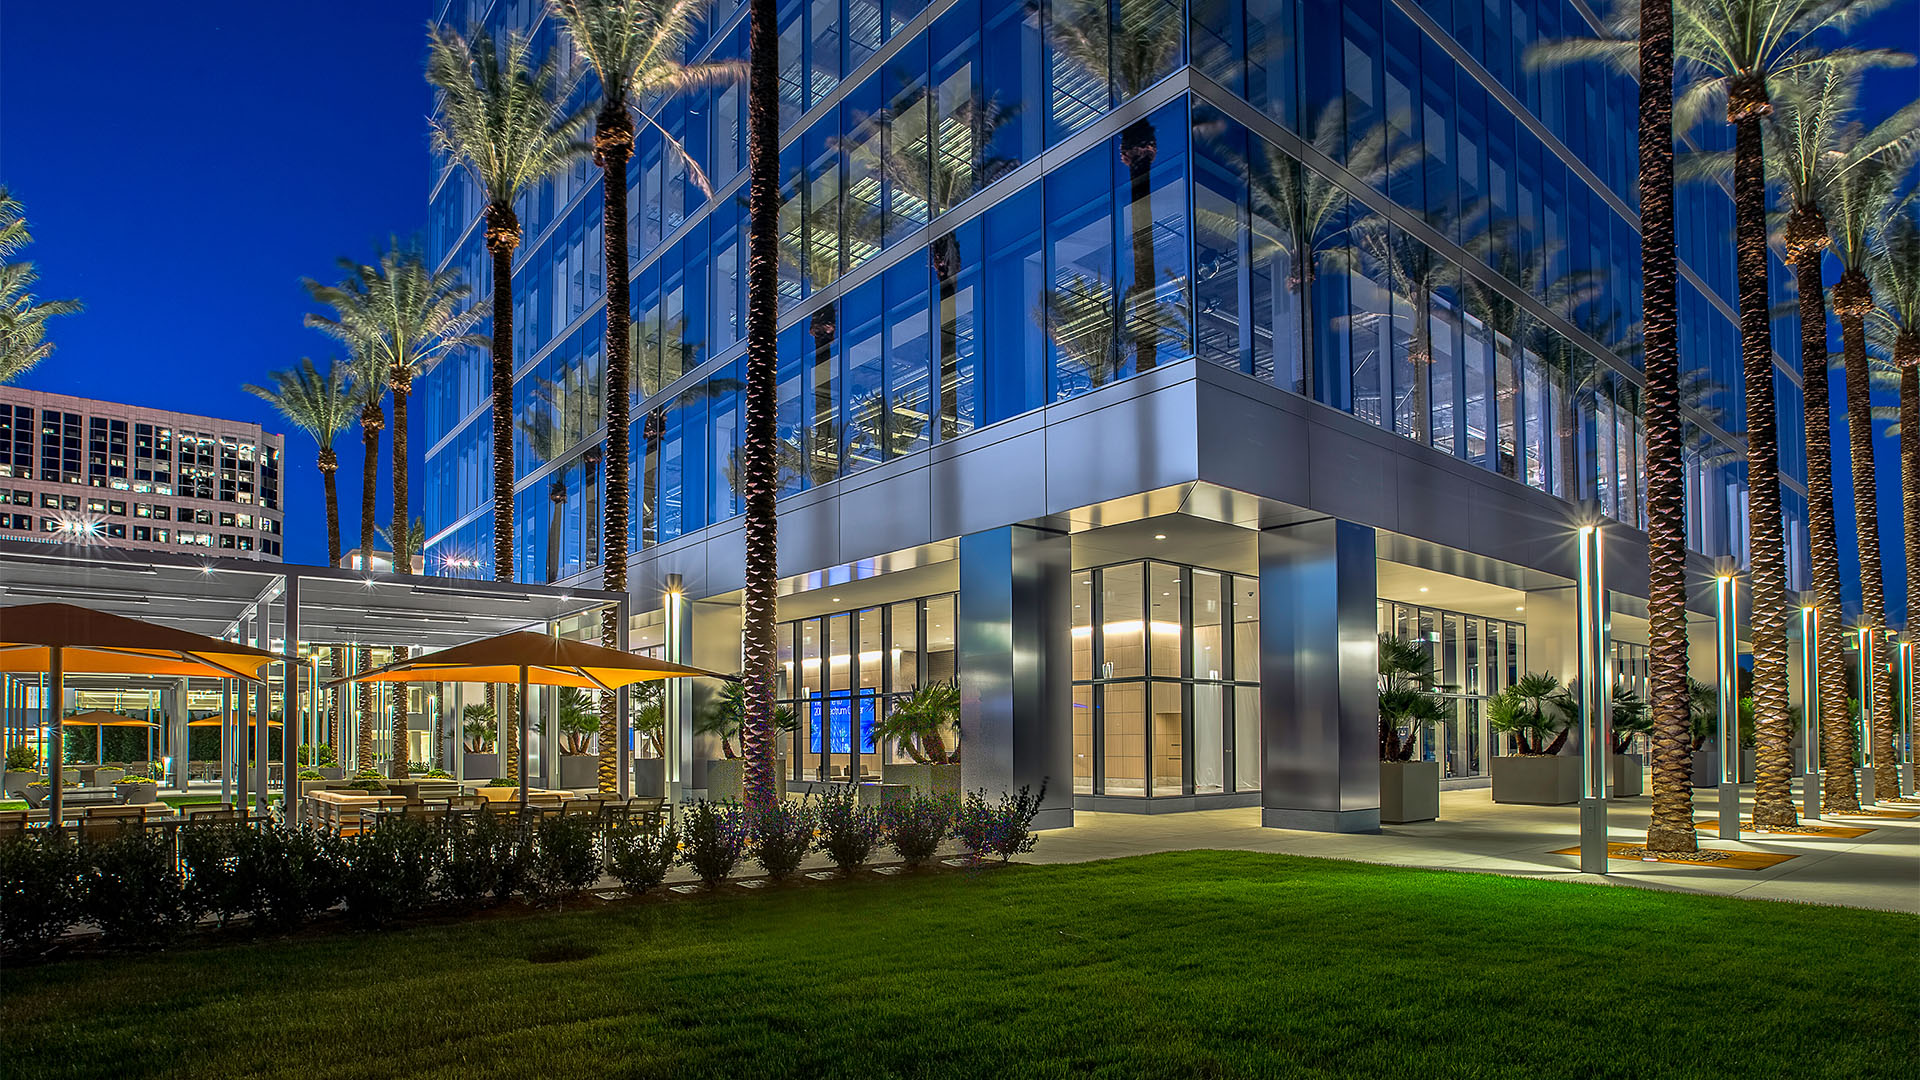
x,y
1595,706
674,743
1810,691
1727,653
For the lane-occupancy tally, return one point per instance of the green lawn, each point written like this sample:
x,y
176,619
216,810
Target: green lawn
x,y
1175,965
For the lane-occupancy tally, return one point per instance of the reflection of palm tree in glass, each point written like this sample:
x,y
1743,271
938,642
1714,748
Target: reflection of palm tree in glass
x,y
1077,315
547,438
1134,43
931,183
1413,274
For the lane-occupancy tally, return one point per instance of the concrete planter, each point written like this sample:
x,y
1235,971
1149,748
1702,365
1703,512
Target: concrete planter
x,y
333,772
726,779
1409,791
1706,766
1543,780
482,766
1865,780
881,794
579,770
650,778
16,782
928,779
137,793
104,776
1628,775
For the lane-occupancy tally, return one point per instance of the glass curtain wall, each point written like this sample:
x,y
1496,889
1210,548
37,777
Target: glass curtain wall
x,y
1475,657
840,673
1165,681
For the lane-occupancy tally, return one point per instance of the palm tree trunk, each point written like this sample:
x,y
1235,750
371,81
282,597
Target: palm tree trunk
x,y
1852,301
1670,828
1906,353
363,752
1138,148
370,423
1767,573
329,464
402,537
503,235
763,262
613,146
1838,790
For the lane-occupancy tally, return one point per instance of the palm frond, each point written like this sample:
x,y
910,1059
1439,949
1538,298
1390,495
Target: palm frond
x,y
320,403
506,119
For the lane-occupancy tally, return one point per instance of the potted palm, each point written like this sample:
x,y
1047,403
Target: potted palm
x,y
1409,704
650,720
1631,717
1535,712
579,723
23,768
919,725
479,733
721,719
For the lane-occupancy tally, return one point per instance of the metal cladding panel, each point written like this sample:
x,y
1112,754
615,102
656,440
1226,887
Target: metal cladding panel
x,y
890,514
1256,443
1140,441
985,486
1318,693
1016,702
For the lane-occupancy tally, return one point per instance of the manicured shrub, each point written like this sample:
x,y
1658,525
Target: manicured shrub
x,y
916,825
1003,828
714,836
209,857
285,876
640,856
565,859
848,831
487,859
39,889
389,871
132,889
781,836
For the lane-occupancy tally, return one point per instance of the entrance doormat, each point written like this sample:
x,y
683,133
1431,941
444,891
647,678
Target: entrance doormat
x,y
1725,860
1879,813
1843,832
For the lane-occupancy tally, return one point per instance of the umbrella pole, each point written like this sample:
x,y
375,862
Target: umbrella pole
x,y
56,781
523,742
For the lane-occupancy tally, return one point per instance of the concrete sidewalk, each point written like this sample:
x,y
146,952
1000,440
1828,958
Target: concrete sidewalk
x,y
1878,870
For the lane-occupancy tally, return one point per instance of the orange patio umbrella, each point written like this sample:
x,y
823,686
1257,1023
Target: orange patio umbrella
x,y
532,659
60,639
99,718
218,719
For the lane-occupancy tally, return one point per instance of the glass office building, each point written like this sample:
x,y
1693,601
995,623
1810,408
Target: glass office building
x,y
1188,313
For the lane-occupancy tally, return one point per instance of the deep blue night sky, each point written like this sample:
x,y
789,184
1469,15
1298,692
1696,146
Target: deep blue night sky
x,y
184,165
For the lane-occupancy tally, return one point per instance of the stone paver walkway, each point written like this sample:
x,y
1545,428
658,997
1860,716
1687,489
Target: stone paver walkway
x,y
1878,870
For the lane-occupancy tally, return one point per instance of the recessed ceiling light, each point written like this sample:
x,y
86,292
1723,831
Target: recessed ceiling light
x,y
833,599
1423,588
1159,536
1522,607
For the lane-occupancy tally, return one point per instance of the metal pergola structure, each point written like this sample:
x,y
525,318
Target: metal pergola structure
x,y
297,612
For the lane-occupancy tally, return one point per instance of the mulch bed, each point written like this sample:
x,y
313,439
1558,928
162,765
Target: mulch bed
x,y
1731,860
1878,813
1844,832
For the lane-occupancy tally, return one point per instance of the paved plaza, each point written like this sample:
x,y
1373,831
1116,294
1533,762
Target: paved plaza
x,y
1880,869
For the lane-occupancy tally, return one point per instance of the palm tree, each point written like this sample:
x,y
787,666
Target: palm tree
x,y
23,316
1132,43
758,440
508,122
371,385
1896,271
407,318
1815,145
1728,54
322,405
1861,204
635,48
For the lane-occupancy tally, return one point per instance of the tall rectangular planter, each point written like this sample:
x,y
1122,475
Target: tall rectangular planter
x,y
930,779
1628,775
482,766
1551,780
650,778
726,780
1409,791
579,770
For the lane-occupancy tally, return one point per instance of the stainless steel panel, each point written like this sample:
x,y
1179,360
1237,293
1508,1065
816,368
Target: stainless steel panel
x,y
892,514
1318,667
1014,611
1350,475
990,486
1132,445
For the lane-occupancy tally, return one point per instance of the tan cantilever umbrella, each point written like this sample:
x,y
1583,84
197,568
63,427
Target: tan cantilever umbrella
x,y
532,659
60,639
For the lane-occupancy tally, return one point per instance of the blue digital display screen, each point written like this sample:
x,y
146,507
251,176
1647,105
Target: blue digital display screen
x,y
839,725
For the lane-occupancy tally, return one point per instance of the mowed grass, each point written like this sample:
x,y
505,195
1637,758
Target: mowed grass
x,y
1173,965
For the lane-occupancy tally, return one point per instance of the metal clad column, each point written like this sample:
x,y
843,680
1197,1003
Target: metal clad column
x,y
1014,660
623,711
1810,691
1319,671
290,676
